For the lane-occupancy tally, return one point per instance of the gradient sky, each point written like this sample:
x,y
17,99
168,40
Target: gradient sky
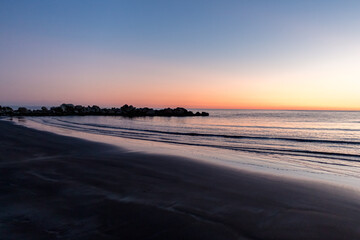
x,y
276,54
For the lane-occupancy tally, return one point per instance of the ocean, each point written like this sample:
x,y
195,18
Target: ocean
x,y
322,145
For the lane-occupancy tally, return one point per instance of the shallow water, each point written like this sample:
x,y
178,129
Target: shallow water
x,y
323,145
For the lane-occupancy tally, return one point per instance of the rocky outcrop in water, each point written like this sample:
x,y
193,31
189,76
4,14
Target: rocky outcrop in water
x,y
126,110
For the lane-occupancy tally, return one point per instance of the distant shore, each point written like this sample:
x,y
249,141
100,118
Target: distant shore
x,y
78,110
57,187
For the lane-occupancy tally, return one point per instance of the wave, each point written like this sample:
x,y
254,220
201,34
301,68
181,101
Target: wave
x,y
283,128
143,134
193,134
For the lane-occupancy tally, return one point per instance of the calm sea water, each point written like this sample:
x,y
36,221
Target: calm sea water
x,y
322,142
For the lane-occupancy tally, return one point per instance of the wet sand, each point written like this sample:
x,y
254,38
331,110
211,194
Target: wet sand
x,y
57,187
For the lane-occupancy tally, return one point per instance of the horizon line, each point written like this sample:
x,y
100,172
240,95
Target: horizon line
x,y
196,107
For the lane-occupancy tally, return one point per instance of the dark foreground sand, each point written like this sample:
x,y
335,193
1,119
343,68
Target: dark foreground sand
x,y
56,187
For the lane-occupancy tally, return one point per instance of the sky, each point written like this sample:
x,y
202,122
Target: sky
x,y
251,54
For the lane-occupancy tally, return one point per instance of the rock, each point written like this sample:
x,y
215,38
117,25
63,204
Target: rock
x,y
180,111
126,110
56,110
167,112
67,108
8,110
22,110
150,112
79,107
95,109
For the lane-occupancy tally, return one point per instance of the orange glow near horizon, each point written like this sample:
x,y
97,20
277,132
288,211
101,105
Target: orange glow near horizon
x,y
319,84
294,55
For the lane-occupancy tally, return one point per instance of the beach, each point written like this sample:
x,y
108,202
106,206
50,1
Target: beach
x,y
58,187
185,120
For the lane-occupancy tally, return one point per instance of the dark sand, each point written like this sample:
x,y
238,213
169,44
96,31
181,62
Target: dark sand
x,y
56,187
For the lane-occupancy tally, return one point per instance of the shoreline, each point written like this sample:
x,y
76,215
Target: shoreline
x,y
249,161
58,186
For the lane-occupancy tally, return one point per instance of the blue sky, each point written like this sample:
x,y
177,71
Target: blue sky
x,y
43,39
172,27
